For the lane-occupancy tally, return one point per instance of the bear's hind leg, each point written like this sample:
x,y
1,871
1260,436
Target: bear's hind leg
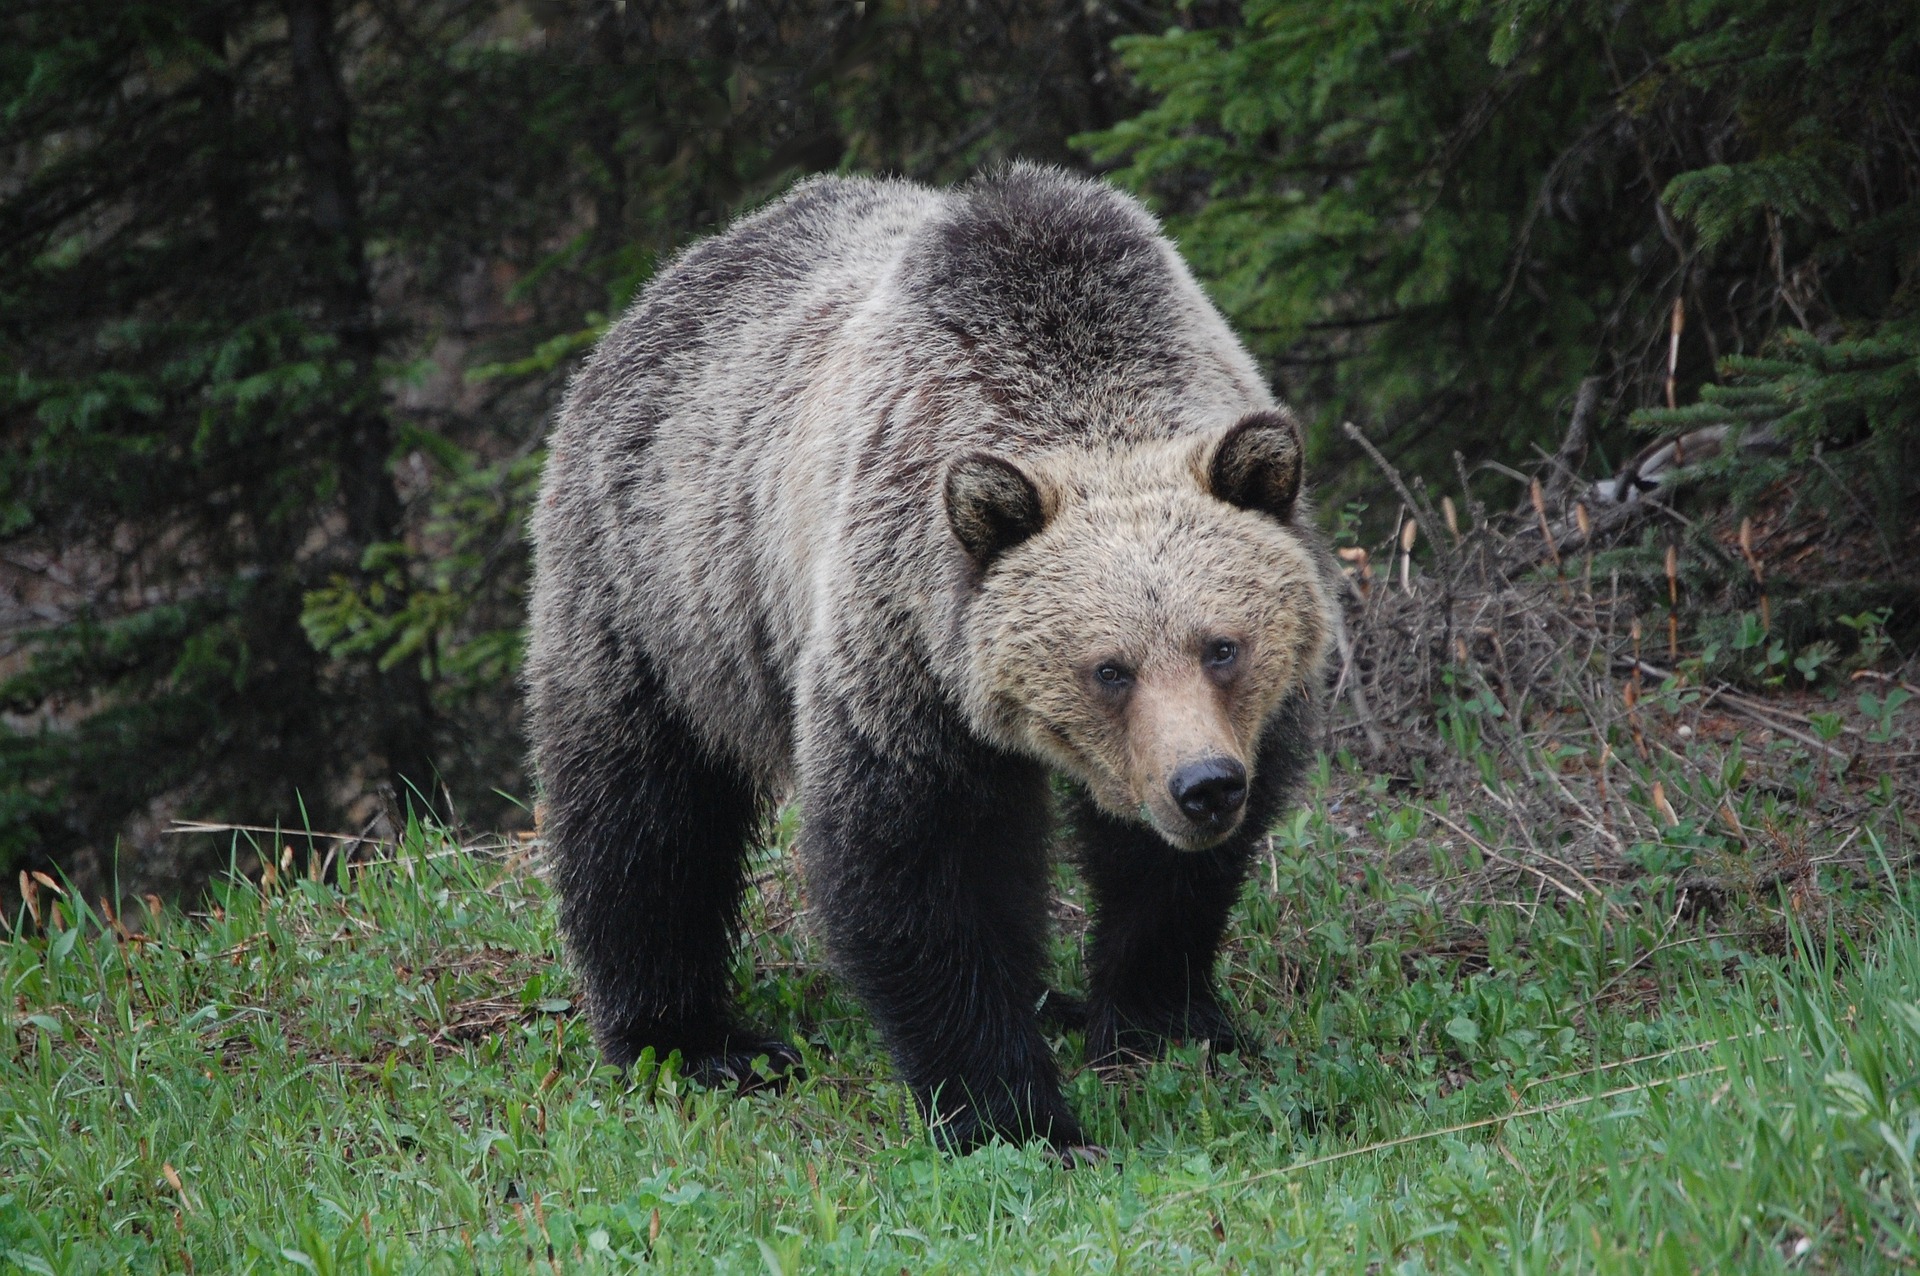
x,y
647,833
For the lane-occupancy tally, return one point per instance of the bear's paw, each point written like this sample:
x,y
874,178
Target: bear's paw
x,y
1139,1034
746,1064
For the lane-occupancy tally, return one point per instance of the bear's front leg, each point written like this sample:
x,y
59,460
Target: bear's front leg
x,y
1158,917
929,874
1159,913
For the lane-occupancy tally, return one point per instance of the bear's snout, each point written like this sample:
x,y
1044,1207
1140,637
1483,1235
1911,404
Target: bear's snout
x,y
1210,790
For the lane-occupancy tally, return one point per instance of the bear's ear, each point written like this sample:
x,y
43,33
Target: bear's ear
x,y
992,505
1256,465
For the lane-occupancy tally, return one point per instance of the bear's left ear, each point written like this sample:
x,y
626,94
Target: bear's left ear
x,y
1256,465
992,505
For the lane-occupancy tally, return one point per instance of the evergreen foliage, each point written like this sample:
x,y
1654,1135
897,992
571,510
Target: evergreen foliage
x,y
193,410
1437,219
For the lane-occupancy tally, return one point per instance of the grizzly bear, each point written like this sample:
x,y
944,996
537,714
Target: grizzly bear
x,y
900,501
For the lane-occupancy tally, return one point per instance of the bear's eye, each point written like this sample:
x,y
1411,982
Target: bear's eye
x,y
1222,652
1113,675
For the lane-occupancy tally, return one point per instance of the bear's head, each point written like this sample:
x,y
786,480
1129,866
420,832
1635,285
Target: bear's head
x,y
1136,617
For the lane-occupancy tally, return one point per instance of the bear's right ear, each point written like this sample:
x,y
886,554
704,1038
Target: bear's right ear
x,y
1256,465
992,505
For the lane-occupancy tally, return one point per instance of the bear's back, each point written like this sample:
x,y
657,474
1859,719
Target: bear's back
x,y
654,525
832,233
1063,296
1056,297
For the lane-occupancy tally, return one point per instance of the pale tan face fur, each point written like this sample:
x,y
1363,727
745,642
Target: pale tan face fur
x,y
1209,615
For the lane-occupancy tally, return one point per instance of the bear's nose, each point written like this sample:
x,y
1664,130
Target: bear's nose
x,y
1210,790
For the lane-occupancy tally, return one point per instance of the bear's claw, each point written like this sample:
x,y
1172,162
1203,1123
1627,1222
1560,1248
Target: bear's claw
x,y
1091,1155
738,1065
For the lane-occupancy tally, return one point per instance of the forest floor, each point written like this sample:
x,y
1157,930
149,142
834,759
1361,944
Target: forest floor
x,y
1473,1059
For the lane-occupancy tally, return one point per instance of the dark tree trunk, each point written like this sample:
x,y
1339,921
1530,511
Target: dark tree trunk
x,y
608,53
364,439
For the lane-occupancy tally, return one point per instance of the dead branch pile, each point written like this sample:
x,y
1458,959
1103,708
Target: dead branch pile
x,y
1494,674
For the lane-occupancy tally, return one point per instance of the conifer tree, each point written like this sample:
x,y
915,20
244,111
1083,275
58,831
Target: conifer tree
x,y
1437,220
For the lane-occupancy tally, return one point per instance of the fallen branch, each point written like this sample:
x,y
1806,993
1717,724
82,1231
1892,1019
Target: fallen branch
x,y
1421,508
1376,740
207,826
1573,448
1641,960
1497,857
1749,709
1610,519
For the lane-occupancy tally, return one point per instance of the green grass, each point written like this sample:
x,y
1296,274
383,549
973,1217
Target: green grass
x,y
389,1077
